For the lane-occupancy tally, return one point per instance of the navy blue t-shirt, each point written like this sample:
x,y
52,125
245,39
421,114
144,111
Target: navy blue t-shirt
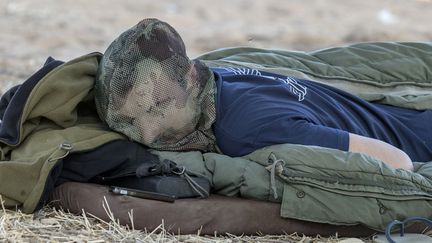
x,y
257,109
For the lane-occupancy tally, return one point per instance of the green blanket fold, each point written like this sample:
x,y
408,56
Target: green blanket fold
x,y
318,184
398,74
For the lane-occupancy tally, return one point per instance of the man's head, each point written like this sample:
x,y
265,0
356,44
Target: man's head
x,y
148,89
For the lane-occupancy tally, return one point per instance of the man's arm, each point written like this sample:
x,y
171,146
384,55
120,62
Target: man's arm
x,y
306,133
380,150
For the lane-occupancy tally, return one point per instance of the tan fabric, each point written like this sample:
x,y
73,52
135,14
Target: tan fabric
x,y
188,216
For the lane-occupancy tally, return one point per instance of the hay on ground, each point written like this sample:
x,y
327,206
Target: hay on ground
x,y
56,225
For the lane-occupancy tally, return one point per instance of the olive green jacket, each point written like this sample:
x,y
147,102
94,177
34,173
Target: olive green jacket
x,y
59,118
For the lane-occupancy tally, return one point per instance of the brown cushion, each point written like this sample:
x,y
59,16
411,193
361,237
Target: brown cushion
x,y
217,214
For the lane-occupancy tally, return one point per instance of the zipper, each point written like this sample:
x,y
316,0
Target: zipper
x,y
108,178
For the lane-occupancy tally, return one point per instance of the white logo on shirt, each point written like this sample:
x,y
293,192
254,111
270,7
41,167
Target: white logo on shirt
x,y
243,71
292,84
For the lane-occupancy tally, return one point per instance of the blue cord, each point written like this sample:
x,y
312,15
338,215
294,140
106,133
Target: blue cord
x,y
402,226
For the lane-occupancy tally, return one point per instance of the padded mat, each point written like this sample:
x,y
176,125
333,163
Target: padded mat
x,y
216,214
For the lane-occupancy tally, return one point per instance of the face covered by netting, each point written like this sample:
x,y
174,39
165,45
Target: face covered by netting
x,y
148,89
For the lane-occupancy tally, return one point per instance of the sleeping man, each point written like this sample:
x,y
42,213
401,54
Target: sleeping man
x,y
148,89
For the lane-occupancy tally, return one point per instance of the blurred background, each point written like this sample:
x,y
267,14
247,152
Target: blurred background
x,y
33,30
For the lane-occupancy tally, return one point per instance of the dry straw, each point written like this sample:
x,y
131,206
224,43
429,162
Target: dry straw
x,y
56,225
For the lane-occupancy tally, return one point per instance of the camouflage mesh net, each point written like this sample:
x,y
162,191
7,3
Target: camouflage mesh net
x,y
148,89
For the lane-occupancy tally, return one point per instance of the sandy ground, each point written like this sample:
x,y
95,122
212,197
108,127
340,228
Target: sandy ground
x,y
33,30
